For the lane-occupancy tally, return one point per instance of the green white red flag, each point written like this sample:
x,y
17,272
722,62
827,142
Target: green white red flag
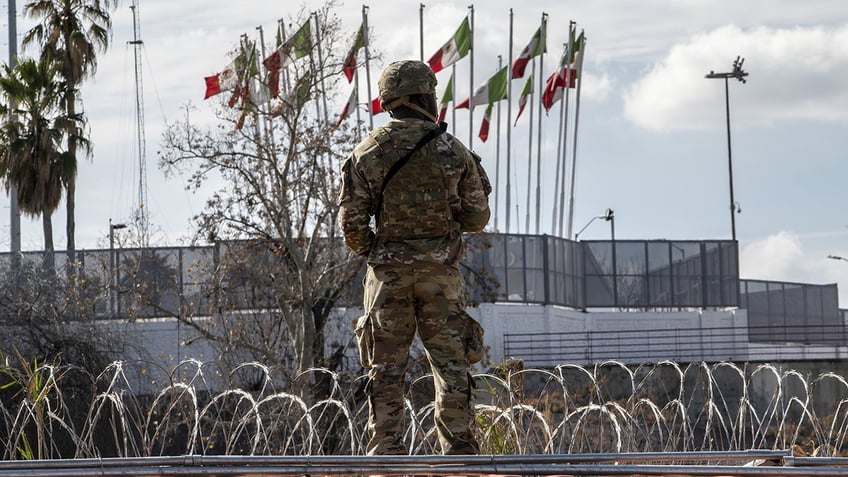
x,y
349,107
484,126
536,47
234,75
566,74
526,91
359,41
447,97
226,80
491,91
297,46
455,49
375,106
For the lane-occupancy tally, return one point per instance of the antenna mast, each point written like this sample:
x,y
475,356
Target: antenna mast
x,y
142,214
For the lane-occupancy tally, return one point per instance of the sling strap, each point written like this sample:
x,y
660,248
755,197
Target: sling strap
x,y
402,162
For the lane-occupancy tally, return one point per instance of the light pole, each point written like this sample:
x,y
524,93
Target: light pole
x,y
837,257
609,216
112,278
740,75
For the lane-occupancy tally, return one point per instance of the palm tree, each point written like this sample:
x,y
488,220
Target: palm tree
x,y
70,33
32,135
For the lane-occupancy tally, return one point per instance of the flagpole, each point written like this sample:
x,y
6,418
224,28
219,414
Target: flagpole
x,y
529,154
566,99
313,72
498,151
258,107
264,82
509,130
471,81
242,73
574,142
14,211
356,89
453,95
281,24
257,63
560,168
564,152
567,96
421,29
539,132
321,65
367,67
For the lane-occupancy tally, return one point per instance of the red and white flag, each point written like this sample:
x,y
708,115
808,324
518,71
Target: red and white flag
x,y
526,92
535,48
484,126
375,106
298,46
566,74
350,61
226,80
349,107
455,49
447,97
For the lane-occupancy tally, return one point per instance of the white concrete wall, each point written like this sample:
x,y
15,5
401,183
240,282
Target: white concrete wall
x,y
164,343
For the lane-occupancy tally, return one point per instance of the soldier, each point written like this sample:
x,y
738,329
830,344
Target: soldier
x,y
422,188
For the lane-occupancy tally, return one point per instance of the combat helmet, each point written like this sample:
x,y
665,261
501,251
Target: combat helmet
x,y
404,78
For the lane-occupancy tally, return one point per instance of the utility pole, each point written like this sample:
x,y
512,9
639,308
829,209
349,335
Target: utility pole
x,y
139,107
740,75
15,214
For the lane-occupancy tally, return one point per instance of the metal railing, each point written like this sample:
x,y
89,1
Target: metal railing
x,y
710,344
500,268
535,269
739,463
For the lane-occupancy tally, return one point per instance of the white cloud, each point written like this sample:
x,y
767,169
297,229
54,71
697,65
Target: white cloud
x,y
596,87
777,257
783,257
795,74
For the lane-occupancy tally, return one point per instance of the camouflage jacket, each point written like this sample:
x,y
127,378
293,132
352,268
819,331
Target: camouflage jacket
x,y
441,192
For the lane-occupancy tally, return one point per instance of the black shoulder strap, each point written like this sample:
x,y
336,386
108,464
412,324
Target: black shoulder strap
x,y
402,162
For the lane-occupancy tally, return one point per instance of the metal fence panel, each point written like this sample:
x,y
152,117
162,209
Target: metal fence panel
x,y
498,267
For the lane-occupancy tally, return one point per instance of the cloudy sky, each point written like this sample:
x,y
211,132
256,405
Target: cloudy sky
x,y
652,140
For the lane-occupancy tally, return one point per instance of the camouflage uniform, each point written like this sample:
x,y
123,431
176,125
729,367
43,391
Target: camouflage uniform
x,y
413,279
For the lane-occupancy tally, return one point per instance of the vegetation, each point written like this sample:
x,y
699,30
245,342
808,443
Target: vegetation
x,y
34,129
69,35
136,409
275,213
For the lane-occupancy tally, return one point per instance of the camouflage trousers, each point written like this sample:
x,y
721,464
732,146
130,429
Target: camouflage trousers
x,y
398,300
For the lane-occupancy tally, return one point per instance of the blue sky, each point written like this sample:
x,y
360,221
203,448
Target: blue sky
x,y
652,138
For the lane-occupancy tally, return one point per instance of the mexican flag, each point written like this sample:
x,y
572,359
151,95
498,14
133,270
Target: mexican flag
x,y
526,91
491,91
375,106
234,75
455,49
566,74
350,61
535,48
226,80
447,97
484,126
349,107
297,46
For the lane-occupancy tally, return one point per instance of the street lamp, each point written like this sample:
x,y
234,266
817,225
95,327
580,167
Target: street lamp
x,y
112,278
837,257
740,75
609,216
